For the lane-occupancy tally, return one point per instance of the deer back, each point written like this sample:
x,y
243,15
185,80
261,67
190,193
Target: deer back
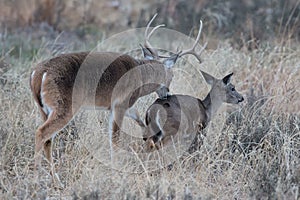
x,y
90,78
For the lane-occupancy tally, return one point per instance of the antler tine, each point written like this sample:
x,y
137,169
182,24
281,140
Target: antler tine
x,y
148,35
192,50
148,25
154,29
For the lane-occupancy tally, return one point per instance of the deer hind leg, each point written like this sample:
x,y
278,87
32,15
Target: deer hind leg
x,y
43,114
43,138
38,147
48,143
153,142
48,151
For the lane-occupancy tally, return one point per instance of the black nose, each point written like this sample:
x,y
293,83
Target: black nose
x,y
241,99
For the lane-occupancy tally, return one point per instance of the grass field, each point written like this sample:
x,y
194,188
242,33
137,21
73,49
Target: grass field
x,y
252,152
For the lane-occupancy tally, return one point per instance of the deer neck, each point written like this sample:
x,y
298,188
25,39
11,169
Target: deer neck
x,y
211,105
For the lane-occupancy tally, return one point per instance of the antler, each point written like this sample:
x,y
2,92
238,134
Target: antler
x,y
148,35
192,50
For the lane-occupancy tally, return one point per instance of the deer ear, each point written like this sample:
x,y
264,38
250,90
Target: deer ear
x,y
227,78
208,78
170,61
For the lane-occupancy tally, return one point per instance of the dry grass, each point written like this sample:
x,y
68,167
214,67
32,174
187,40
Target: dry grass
x,y
254,153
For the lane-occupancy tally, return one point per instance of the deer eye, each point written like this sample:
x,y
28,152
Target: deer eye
x,y
233,89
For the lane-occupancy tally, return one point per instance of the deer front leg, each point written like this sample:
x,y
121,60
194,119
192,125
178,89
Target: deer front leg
x,y
115,123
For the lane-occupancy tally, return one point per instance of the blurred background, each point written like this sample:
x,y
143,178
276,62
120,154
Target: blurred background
x,y
242,22
254,154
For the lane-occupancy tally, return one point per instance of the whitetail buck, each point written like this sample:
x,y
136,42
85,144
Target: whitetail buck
x,y
168,117
62,85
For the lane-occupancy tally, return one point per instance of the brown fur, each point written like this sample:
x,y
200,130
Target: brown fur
x,y
106,79
177,115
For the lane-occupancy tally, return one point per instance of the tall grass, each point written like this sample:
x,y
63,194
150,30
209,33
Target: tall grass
x,y
253,153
